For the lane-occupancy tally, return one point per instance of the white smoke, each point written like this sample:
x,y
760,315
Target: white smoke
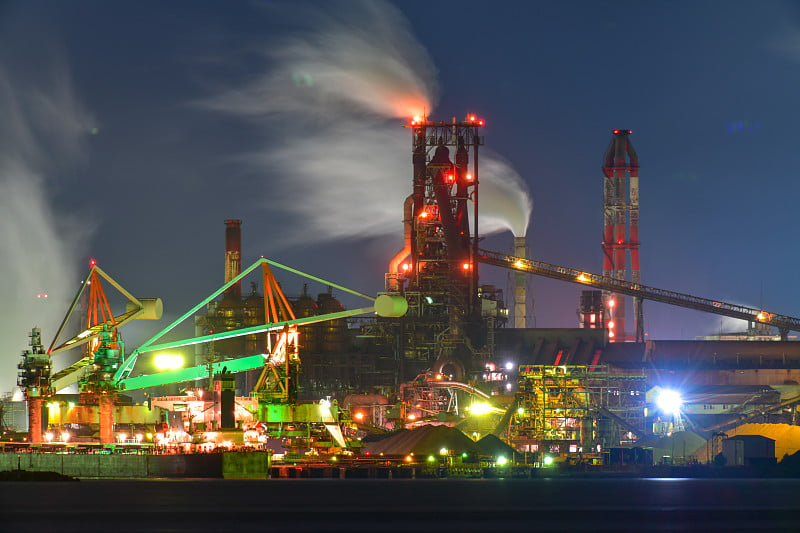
x,y
503,202
40,132
335,89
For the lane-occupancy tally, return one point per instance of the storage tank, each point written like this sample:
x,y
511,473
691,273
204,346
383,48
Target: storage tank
x,y
333,333
304,306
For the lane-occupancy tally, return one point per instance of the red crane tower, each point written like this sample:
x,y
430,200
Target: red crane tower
x,y
621,230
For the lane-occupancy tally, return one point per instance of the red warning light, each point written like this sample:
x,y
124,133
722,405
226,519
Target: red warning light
x,y
466,266
612,303
611,324
450,178
92,262
472,118
468,176
480,123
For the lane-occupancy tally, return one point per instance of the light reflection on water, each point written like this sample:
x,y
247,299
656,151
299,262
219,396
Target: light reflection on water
x,y
658,504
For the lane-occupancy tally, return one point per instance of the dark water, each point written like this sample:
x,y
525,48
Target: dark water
x,y
323,505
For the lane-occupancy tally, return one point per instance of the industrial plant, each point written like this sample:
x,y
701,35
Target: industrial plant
x,y
438,374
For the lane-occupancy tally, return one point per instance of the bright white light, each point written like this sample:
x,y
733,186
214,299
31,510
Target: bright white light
x,y
501,461
168,361
548,460
64,436
509,366
669,401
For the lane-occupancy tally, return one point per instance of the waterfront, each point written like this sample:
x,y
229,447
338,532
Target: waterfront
x,y
498,505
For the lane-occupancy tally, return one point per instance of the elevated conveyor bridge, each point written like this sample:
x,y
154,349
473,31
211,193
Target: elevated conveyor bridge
x,y
783,323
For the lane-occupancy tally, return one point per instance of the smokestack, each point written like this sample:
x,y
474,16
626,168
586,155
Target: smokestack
x,y
233,256
520,295
621,230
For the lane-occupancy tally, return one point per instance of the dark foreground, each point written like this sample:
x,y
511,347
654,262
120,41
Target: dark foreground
x,y
492,505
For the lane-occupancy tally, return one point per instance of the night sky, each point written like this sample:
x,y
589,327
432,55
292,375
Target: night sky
x,y
130,131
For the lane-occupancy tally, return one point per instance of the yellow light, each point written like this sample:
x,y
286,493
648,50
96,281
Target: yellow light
x,y
761,316
359,416
168,361
582,278
409,458
518,263
443,451
481,408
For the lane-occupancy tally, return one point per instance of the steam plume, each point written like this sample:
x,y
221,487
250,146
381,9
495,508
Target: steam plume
x,y
335,88
40,131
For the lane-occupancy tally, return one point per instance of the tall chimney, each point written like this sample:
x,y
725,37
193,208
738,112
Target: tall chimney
x,y
233,256
520,296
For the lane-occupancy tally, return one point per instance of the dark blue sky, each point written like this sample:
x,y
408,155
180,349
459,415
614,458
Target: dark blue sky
x,y
117,114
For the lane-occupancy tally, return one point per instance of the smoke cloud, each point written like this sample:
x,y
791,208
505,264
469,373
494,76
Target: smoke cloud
x,y
504,203
41,130
335,89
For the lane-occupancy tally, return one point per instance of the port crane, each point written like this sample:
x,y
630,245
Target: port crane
x,y
783,323
105,371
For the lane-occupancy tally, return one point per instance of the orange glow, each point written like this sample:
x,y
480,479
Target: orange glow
x,y
610,324
406,266
359,416
472,118
610,333
439,377
612,303
423,214
412,416
409,458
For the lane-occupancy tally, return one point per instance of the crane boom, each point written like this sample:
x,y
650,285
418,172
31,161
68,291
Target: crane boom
x,y
538,268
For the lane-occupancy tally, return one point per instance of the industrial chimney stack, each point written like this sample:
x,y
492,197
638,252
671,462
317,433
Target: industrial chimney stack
x,y
233,256
621,229
520,293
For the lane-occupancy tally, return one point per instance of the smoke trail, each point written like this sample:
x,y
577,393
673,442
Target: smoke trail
x,y
503,202
334,88
40,131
